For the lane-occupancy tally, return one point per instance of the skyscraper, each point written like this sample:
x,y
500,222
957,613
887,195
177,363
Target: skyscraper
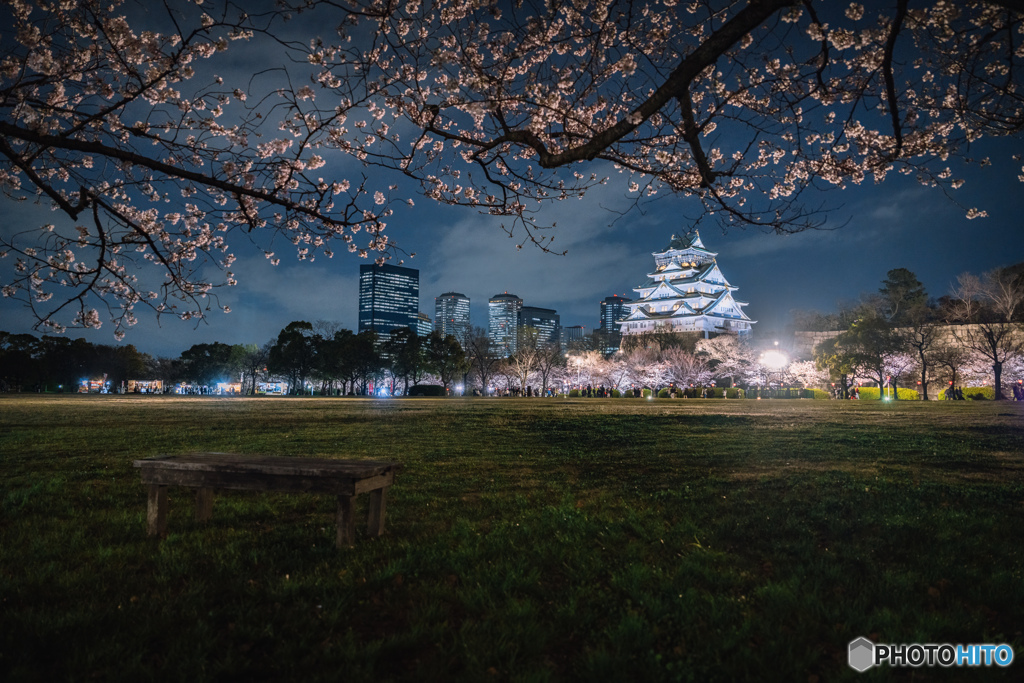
x,y
451,315
503,322
389,298
545,320
613,310
423,324
571,335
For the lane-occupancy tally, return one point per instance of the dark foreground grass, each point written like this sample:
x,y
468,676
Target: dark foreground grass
x,y
526,540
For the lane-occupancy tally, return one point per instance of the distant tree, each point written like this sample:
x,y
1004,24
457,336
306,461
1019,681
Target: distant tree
x,y
444,357
170,371
64,362
406,356
332,363
19,367
616,370
830,356
816,321
293,354
902,294
952,361
584,366
122,363
660,338
325,361
207,364
921,334
524,361
728,356
363,359
873,349
482,356
646,368
549,360
506,376
806,373
253,361
986,309
684,368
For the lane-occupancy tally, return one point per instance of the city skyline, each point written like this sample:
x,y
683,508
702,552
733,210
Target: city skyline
x,y
821,270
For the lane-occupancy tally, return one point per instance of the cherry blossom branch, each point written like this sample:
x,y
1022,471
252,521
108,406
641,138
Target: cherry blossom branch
x,y
74,144
890,83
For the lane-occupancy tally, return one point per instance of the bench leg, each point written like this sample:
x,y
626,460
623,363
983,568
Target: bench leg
x,y
204,504
375,516
346,521
156,510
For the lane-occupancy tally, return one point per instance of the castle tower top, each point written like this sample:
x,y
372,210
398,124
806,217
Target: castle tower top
x,y
686,252
686,293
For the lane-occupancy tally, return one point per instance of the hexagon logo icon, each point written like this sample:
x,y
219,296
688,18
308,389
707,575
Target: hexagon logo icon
x,y
862,654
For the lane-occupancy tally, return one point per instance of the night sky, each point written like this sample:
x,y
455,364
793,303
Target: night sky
x,y
870,230
898,224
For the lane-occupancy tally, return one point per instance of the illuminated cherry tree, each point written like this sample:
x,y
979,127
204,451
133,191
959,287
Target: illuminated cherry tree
x,y
739,107
156,167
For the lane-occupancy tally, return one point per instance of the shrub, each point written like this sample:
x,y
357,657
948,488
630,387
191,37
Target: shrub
x,y
734,392
646,393
980,393
575,393
974,394
663,393
616,393
426,390
872,394
821,394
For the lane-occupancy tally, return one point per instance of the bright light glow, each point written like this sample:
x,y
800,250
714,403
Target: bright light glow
x,y
774,360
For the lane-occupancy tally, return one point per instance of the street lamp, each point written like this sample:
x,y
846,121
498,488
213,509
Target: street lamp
x,y
774,361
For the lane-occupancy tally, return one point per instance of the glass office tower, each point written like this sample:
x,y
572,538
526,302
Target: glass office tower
x,y
389,298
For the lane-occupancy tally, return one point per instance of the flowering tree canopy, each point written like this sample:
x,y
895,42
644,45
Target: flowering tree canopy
x,y
739,106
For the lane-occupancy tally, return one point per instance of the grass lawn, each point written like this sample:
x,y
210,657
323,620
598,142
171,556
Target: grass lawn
x,y
526,540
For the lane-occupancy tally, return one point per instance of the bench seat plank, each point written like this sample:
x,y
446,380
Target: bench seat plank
x,y
207,471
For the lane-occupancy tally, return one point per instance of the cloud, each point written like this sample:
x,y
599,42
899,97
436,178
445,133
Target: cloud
x,y
476,257
325,289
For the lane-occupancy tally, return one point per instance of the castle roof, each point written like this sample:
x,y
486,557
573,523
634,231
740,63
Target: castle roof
x,y
690,242
688,280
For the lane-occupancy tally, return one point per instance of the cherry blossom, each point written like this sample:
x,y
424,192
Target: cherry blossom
x,y
160,166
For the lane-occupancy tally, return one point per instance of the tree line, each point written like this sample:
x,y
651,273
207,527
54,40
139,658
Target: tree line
x,y
321,357
897,336
973,334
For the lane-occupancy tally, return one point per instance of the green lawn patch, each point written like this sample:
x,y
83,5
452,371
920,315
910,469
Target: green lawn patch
x,y
526,540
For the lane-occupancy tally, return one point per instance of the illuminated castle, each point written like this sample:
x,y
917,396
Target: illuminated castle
x,y
686,293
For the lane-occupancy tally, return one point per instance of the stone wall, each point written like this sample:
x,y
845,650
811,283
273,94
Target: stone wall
x,y
804,342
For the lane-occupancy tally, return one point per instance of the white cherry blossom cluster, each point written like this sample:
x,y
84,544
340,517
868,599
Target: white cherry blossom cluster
x,y
737,106
155,162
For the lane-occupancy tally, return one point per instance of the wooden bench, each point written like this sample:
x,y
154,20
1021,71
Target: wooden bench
x,y
208,471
